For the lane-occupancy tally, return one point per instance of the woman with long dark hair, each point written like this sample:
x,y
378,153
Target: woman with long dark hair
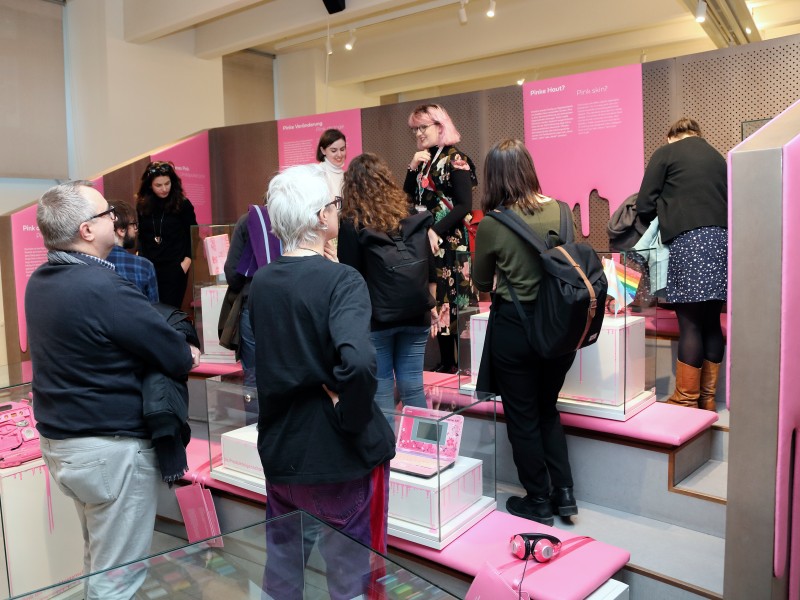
x,y
527,383
166,217
377,210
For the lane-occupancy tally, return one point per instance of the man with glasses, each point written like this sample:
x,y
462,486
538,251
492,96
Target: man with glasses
x,y
92,335
136,269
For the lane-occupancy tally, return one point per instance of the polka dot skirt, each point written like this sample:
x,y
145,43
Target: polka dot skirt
x,y
698,266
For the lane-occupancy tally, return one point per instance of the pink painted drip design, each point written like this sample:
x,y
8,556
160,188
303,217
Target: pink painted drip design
x,y
51,522
787,502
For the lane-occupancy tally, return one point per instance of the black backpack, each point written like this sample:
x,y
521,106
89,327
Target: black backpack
x,y
396,269
572,294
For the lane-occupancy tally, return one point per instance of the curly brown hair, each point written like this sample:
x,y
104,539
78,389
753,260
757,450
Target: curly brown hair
x,y
372,197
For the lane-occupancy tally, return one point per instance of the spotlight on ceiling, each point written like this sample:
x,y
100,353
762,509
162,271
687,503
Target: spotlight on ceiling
x,y
492,6
352,41
520,81
462,13
328,46
700,12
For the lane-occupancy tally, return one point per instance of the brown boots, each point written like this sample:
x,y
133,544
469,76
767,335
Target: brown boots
x,y
695,387
708,385
687,386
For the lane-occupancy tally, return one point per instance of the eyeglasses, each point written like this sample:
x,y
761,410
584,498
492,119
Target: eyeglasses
x,y
337,202
135,225
159,168
110,212
421,128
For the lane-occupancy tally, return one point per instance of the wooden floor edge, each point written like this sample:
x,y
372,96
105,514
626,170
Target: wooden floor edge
x,y
699,495
694,589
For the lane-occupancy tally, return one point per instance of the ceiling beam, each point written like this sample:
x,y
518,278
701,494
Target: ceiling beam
x,y
147,20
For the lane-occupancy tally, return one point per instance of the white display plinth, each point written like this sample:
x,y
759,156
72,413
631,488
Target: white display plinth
x,y
610,371
611,590
438,538
240,451
211,298
429,502
239,479
42,534
606,411
433,512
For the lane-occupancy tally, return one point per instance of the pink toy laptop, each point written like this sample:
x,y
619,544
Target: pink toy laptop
x,y
419,440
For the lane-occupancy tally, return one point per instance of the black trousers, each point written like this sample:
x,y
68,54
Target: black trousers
x,y
529,387
171,283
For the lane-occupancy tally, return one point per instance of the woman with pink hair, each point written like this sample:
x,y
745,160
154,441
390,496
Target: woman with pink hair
x,y
440,179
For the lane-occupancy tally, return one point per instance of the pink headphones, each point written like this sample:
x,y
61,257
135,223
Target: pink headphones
x,y
539,546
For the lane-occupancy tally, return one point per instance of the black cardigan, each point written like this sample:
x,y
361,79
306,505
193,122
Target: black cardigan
x,y
686,186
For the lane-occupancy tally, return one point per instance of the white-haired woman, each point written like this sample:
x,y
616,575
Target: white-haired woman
x,y
323,443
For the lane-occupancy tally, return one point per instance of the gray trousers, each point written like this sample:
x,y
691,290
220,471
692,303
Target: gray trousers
x,y
114,482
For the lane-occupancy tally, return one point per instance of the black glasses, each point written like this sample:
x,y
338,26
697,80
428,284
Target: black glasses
x,y
135,225
337,202
110,212
160,168
421,128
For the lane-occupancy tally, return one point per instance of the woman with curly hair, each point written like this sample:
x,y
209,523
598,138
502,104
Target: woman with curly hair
x,y
376,217
439,180
165,220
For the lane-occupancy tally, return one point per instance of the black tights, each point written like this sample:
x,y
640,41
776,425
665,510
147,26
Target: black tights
x,y
700,332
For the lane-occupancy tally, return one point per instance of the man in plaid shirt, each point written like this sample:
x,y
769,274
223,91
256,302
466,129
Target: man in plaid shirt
x,y
136,269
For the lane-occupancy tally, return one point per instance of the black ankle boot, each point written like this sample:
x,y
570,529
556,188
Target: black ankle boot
x,y
535,509
563,502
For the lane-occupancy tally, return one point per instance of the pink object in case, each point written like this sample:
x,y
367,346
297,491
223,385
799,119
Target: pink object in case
x,y
19,439
424,447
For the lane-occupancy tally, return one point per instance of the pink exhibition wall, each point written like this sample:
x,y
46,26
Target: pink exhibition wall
x,y
585,132
298,137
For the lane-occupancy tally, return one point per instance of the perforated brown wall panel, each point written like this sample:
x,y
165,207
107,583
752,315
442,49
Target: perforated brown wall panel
x,y
721,89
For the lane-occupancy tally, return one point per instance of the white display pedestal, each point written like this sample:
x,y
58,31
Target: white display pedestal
x,y
607,378
433,512
241,464
610,371
211,297
42,536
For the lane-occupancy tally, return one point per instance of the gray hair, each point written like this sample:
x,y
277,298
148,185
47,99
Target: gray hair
x,y
60,212
294,199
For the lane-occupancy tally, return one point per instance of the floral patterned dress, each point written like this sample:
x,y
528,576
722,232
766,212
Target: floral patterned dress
x,y
444,187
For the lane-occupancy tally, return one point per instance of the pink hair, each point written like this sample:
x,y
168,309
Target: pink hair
x,y
433,112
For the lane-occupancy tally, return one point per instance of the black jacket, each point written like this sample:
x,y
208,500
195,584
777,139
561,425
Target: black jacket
x,y
686,186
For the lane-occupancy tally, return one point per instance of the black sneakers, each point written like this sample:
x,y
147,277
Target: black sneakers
x,y
535,509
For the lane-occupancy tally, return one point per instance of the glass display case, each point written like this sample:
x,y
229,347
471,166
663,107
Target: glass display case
x,y
42,541
210,245
616,376
292,556
442,479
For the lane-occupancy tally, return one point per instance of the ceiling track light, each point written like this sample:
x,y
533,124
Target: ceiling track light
x,y
328,46
352,41
492,6
700,11
462,12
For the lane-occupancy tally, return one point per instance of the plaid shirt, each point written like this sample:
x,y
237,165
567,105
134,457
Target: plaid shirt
x,y
136,269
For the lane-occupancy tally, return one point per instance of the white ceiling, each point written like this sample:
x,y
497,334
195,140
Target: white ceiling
x,y
418,48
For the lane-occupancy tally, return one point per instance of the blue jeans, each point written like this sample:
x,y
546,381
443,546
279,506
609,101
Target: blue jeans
x,y
247,356
400,356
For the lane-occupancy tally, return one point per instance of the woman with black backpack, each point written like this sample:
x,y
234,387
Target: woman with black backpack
x,y
389,247
527,383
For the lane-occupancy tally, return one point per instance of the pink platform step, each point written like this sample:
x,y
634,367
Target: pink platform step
x,y
573,576
661,424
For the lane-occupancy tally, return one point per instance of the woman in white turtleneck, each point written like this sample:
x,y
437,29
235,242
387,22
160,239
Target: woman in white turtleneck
x,y
331,155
